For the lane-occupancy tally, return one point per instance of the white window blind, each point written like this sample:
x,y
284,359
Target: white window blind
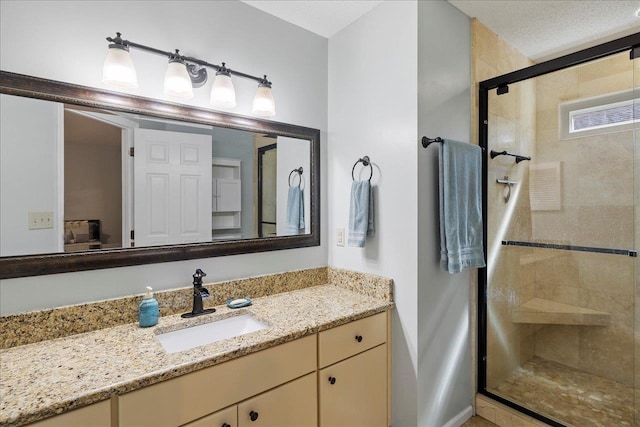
x,y
618,113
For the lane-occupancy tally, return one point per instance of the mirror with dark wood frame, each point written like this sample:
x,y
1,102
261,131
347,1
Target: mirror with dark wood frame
x,y
72,196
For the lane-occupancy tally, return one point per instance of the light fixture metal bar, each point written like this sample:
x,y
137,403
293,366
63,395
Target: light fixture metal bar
x,y
147,48
188,59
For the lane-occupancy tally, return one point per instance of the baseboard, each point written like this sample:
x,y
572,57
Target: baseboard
x,y
461,418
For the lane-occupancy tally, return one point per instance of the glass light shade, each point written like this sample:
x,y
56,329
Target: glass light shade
x,y
177,83
118,69
263,103
223,94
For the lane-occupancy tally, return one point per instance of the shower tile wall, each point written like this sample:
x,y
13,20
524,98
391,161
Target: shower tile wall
x,y
597,210
512,128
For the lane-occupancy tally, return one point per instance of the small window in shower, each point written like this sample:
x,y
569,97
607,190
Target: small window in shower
x,y
592,116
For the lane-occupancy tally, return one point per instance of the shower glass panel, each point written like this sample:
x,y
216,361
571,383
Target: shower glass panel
x,y
562,288
636,134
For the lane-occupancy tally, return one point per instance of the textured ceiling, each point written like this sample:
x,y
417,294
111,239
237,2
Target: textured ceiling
x,y
546,28
323,17
540,29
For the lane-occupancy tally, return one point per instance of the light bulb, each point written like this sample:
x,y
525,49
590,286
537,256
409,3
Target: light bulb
x,y
223,94
177,83
263,103
118,69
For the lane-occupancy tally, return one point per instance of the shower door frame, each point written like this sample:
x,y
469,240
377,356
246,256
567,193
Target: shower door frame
x,y
630,43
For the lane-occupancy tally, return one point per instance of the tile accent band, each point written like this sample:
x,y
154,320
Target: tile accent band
x,y
626,252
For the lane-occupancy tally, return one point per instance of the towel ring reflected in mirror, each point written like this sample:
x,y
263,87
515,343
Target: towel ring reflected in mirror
x,y
299,172
365,162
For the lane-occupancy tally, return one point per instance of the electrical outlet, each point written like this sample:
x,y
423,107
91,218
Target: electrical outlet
x,y
340,236
40,220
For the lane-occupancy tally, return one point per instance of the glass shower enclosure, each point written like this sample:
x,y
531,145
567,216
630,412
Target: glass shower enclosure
x,y
559,311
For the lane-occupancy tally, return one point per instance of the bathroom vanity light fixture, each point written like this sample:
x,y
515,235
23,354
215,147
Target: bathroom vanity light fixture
x,y
183,74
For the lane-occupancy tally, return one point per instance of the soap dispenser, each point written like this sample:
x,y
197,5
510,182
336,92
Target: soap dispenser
x,y
148,312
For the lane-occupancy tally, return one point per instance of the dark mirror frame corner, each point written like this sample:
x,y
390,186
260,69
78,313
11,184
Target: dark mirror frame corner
x,y
34,265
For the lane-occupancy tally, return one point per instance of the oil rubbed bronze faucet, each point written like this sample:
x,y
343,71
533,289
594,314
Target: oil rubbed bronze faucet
x,y
199,293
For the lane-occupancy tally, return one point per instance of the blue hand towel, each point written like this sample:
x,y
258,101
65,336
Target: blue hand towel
x,y
460,206
295,211
360,213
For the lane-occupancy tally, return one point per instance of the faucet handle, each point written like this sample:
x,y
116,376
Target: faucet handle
x,y
197,277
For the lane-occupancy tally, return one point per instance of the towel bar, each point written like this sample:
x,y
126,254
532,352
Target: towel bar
x,y
426,141
518,157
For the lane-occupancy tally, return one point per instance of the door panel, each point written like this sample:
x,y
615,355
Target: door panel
x,y
290,405
353,393
172,182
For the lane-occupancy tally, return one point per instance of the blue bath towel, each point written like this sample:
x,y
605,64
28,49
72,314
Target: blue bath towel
x,y
295,211
460,206
360,213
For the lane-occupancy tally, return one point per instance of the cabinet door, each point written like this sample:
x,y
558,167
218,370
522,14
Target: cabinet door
x,y
353,393
290,405
96,415
228,195
227,417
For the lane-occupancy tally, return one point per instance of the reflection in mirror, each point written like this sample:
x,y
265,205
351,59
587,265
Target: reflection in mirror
x,y
78,178
38,194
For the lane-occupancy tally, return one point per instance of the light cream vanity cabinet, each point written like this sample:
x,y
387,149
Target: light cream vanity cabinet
x,y
192,396
277,387
227,417
96,415
353,375
291,405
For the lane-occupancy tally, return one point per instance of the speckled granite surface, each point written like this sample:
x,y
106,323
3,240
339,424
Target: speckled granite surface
x,y
27,328
368,284
49,377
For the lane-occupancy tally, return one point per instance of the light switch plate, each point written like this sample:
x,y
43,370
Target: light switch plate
x,y
40,220
340,236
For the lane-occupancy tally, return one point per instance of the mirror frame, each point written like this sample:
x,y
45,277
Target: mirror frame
x,y
50,90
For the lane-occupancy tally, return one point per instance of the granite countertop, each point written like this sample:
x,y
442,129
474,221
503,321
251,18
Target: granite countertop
x,y
50,377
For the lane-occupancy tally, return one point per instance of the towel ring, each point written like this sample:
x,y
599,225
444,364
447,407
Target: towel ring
x,y
366,162
299,171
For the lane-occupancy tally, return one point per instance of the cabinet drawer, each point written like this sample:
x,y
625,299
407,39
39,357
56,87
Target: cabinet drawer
x,y
343,341
353,393
191,396
291,405
98,415
227,417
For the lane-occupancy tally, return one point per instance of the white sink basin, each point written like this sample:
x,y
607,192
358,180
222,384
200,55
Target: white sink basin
x,y
195,336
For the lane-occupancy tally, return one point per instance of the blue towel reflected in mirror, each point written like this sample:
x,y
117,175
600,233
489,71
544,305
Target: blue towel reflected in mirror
x,y
295,212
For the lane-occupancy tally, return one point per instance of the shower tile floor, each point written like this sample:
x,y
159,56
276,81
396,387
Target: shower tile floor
x,y
569,395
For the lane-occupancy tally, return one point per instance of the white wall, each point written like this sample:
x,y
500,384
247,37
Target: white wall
x,y
444,109
400,72
65,40
373,76
30,135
